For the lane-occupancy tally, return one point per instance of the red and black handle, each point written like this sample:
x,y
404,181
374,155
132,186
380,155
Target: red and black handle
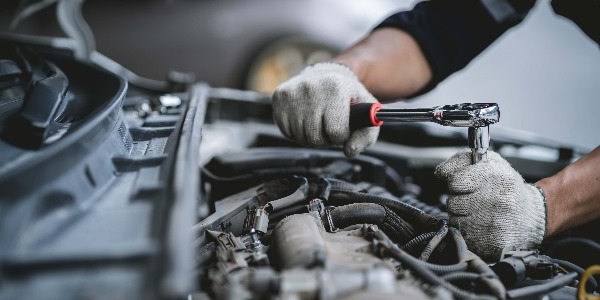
x,y
363,115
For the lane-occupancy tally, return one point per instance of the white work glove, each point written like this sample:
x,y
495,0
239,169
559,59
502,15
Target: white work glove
x,y
492,205
313,108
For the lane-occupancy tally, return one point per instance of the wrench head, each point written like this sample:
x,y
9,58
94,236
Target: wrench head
x,y
467,114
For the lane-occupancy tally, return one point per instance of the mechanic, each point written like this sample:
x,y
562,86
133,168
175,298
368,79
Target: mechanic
x,y
408,54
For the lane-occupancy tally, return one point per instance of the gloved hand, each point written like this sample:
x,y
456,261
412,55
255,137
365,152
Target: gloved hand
x,y
492,205
313,108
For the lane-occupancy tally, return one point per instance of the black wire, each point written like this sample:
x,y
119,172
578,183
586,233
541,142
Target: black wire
x,y
371,213
214,177
403,210
422,270
536,290
591,285
435,241
428,209
445,269
418,241
462,276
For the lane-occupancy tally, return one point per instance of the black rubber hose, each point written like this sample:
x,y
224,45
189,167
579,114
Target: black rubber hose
x,y
357,213
461,276
536,290
591,284
489,277
325,188
573,243
371,213
206,173
435,241
402,230
421,270
394,180
418,241
426,208
403,210
341,186
445,269
290,210
462,251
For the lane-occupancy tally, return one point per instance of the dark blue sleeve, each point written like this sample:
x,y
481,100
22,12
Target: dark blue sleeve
x,y
586,14
453,32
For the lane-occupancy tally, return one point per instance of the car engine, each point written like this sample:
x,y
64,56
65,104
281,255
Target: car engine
x,y
117,187
295,223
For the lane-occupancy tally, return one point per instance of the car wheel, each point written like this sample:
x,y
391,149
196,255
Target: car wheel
x,y
281,60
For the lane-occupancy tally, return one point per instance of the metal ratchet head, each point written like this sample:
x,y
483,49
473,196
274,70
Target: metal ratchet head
x,y
467,114
476,116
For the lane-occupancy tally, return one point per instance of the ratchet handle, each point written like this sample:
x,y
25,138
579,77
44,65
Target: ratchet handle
x,y
363,115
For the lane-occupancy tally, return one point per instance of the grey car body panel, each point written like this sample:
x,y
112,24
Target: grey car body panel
x,y
105,206
217,40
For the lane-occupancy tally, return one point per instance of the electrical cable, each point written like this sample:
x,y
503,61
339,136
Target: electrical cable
x,y
435,241
403,210
428,209
418,241
461,276
371,213
445,269
489,277
536,290
421,268
591,285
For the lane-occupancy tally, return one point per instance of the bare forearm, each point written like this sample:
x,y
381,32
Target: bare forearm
x,y
389,63
573,194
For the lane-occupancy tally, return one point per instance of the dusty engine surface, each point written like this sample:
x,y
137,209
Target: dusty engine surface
x,y
311,224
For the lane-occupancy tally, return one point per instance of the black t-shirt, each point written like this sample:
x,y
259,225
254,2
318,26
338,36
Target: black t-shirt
x,y
453,32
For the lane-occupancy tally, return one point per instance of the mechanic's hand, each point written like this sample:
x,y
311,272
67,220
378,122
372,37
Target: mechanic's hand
x,y
492,205
313,108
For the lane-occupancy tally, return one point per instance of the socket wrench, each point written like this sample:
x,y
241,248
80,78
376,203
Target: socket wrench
x,y
476,116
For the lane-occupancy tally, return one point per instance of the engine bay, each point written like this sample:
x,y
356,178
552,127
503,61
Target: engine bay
x,y
294,223
192,192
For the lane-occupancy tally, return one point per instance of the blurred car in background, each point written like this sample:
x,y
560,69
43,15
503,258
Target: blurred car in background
x,y
241,44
